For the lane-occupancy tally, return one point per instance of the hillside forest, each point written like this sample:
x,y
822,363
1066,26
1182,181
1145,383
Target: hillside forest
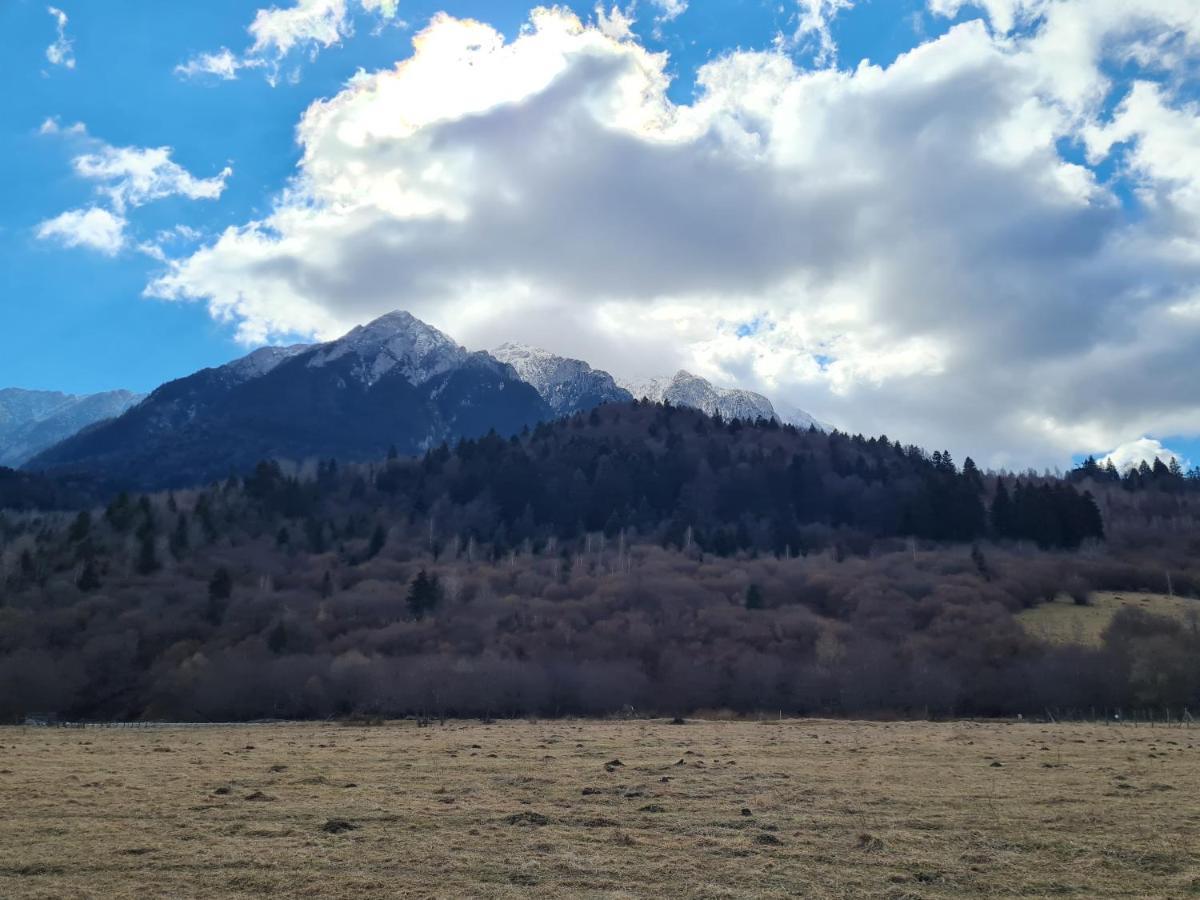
x,y
637,557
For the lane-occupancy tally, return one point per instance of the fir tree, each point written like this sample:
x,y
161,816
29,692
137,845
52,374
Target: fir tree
x,y
277,639
378,540
89,578
180,538
220,586
1002,513
81,527
423,595
147,561
754,597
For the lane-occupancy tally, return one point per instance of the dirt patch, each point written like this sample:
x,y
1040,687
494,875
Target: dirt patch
x,y
526,818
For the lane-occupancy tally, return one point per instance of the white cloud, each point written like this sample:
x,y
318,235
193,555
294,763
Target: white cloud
x,y
95,228
223,65
816,20
127,177
134,176
62,51
669,10
617,23
277,31
51,126
1134,453
920,258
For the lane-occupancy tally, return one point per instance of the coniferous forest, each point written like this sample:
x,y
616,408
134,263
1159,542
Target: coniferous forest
x,y
638,556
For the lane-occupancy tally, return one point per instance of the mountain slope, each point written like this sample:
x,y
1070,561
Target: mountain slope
x,y
31,421
567,385
394,383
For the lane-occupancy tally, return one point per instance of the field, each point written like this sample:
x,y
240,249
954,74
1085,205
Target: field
x,y
792,808
1062,622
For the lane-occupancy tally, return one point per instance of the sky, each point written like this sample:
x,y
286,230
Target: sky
x,y
964,225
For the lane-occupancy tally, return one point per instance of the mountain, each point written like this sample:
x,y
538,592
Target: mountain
x,y
571,385
393,383
686,389
567,385
31,421
794,415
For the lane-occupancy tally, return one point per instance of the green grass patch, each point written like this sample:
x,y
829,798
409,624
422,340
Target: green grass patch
x,y
1063,622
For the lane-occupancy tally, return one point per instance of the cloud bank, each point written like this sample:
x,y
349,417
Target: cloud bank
x,y
927,249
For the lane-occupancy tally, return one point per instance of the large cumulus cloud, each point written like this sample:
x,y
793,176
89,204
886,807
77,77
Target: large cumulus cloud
x,y
923,249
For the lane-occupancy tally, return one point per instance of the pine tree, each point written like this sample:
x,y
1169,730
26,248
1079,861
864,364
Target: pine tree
x,y
120,513
180,537
81,527
754,597
89,578
980,561
220,586
277,639
378,540
972,474
28,568
220,589
423,595
147,561
1002,512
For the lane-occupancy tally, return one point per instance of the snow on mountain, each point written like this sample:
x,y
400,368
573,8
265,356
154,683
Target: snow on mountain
x,y
415,386
262,361
793,415
31,421
686,389
567,385
393,383
399,341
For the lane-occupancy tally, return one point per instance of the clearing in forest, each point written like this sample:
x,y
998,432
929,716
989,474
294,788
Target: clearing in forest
x,y
1064,622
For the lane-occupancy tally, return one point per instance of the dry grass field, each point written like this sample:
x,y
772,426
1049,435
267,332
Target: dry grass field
x,y
792,808
1062,622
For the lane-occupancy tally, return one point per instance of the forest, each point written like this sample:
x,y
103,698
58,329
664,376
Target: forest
x,y
638,557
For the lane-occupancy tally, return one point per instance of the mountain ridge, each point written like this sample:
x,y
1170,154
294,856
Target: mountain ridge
x,y
393,384
32,421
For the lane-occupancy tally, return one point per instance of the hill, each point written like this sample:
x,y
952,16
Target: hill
x,y
635,555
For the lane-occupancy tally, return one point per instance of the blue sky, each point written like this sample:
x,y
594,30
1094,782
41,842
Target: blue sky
x,y
76,318
76,321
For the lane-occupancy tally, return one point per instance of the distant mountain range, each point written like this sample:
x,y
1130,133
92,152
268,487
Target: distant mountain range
x,y
393,384
31,421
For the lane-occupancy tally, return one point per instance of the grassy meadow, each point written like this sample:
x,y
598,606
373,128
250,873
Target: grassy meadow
x,y
1063,622
614,809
